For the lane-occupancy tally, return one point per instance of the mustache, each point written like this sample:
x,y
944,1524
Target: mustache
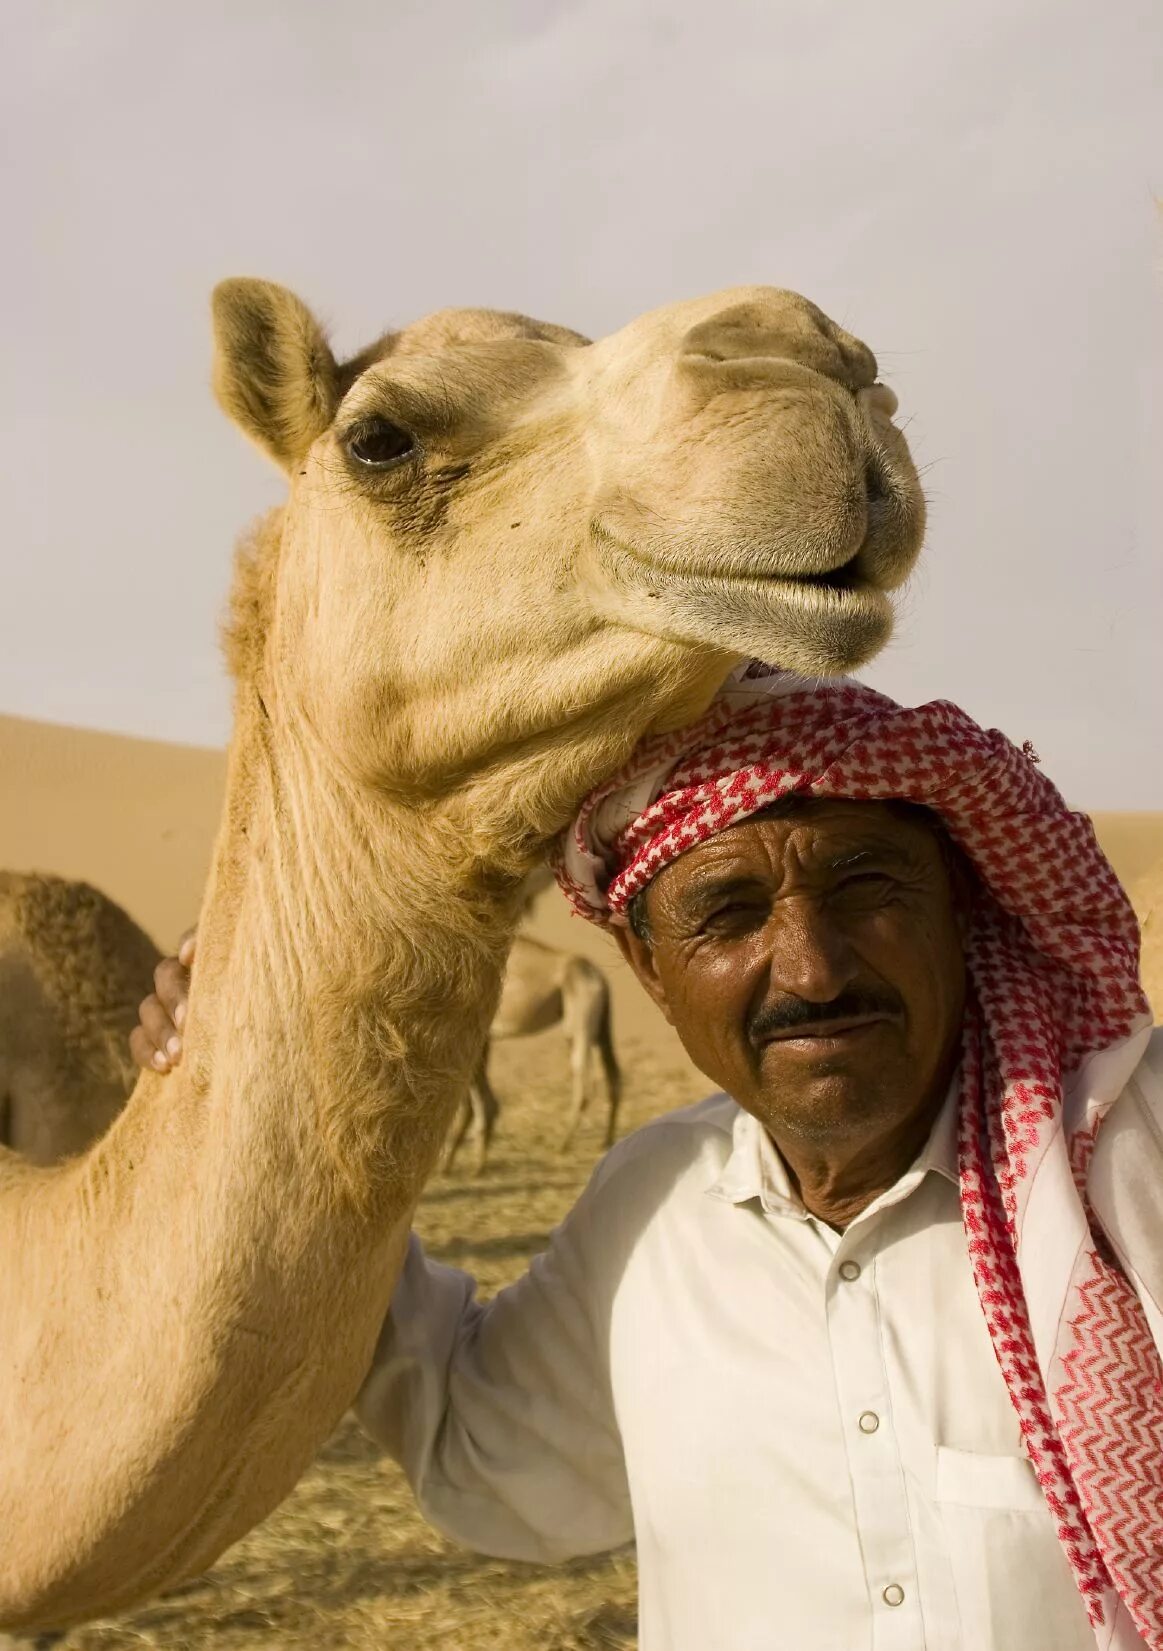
x,y
793,1014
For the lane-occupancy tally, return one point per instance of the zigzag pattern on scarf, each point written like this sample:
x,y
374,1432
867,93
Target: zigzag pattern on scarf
x,y
1109,1412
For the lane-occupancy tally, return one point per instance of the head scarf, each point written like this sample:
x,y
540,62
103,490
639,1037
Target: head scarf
x,y
1055,1024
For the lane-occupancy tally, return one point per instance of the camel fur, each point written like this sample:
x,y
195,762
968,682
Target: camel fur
x,y
506,554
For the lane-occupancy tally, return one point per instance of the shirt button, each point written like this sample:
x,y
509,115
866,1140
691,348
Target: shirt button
x,y
849,1270
868,1423
894,1594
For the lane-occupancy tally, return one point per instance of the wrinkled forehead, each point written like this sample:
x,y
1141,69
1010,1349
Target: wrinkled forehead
x,y
821,829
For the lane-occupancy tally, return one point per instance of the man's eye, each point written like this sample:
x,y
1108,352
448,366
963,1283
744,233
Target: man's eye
x,y
866,883
378,443
734,916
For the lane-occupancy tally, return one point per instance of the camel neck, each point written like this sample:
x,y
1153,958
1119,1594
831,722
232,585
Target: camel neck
x,y
200,1294
347,932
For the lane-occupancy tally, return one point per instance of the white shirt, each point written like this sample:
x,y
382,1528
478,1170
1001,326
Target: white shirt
x,y
806,1432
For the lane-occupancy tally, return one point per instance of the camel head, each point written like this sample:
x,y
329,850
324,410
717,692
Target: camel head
x,y
507,547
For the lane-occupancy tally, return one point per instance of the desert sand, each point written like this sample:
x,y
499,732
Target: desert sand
x,y
346,1561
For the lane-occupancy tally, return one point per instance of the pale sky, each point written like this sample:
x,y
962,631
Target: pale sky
x,y
971,187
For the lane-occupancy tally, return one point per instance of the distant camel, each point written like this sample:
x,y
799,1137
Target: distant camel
x,y
73,969
545,987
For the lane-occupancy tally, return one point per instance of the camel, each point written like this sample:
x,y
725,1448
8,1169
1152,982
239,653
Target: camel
x,y
546,987
73,968
506,555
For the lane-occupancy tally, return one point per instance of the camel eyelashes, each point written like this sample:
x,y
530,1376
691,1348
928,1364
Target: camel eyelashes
x,y
377,443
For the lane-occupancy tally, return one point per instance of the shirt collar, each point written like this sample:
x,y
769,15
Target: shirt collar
x,y
755,1168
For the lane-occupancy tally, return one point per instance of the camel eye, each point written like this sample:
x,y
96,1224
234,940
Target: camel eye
x,y
377,443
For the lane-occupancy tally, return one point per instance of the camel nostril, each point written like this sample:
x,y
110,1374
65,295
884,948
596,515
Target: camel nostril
x,y
875,484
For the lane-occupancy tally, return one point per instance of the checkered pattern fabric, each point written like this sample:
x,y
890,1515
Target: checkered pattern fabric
x,y
1053,958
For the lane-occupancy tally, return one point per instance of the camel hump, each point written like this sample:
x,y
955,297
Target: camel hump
x,y
77,962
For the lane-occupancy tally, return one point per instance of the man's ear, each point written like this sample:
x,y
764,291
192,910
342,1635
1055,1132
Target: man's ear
x,y
274,373
640,956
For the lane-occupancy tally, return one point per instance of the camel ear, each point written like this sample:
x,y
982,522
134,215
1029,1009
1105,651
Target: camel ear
x,y
274,373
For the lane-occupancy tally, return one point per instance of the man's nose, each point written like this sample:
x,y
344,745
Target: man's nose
x,y
811,955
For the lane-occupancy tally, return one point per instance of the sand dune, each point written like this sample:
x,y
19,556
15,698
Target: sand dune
x,y
135,817
138,817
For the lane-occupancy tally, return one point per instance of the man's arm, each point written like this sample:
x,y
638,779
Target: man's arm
x,y
500,1413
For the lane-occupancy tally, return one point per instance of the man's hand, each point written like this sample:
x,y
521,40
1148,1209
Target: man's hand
x,y
155,1043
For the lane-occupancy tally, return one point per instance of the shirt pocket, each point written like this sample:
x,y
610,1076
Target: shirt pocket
x,y
970,1480
1013,1582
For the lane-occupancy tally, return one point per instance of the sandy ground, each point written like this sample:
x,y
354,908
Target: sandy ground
x,y
346,1561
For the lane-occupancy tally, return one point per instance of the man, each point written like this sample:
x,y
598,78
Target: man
x,y
862,1351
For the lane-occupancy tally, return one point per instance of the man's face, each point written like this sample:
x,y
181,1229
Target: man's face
x,y
812,964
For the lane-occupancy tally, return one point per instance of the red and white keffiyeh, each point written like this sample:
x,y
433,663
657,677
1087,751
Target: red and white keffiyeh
x,y
1055,1026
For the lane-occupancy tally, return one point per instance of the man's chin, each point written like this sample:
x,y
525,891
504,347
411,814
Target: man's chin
x,y
823,1092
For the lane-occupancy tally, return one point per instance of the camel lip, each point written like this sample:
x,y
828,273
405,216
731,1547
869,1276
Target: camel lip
x,y
838,582
838,578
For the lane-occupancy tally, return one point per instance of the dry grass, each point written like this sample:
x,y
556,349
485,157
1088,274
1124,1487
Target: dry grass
x,y
347,1561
